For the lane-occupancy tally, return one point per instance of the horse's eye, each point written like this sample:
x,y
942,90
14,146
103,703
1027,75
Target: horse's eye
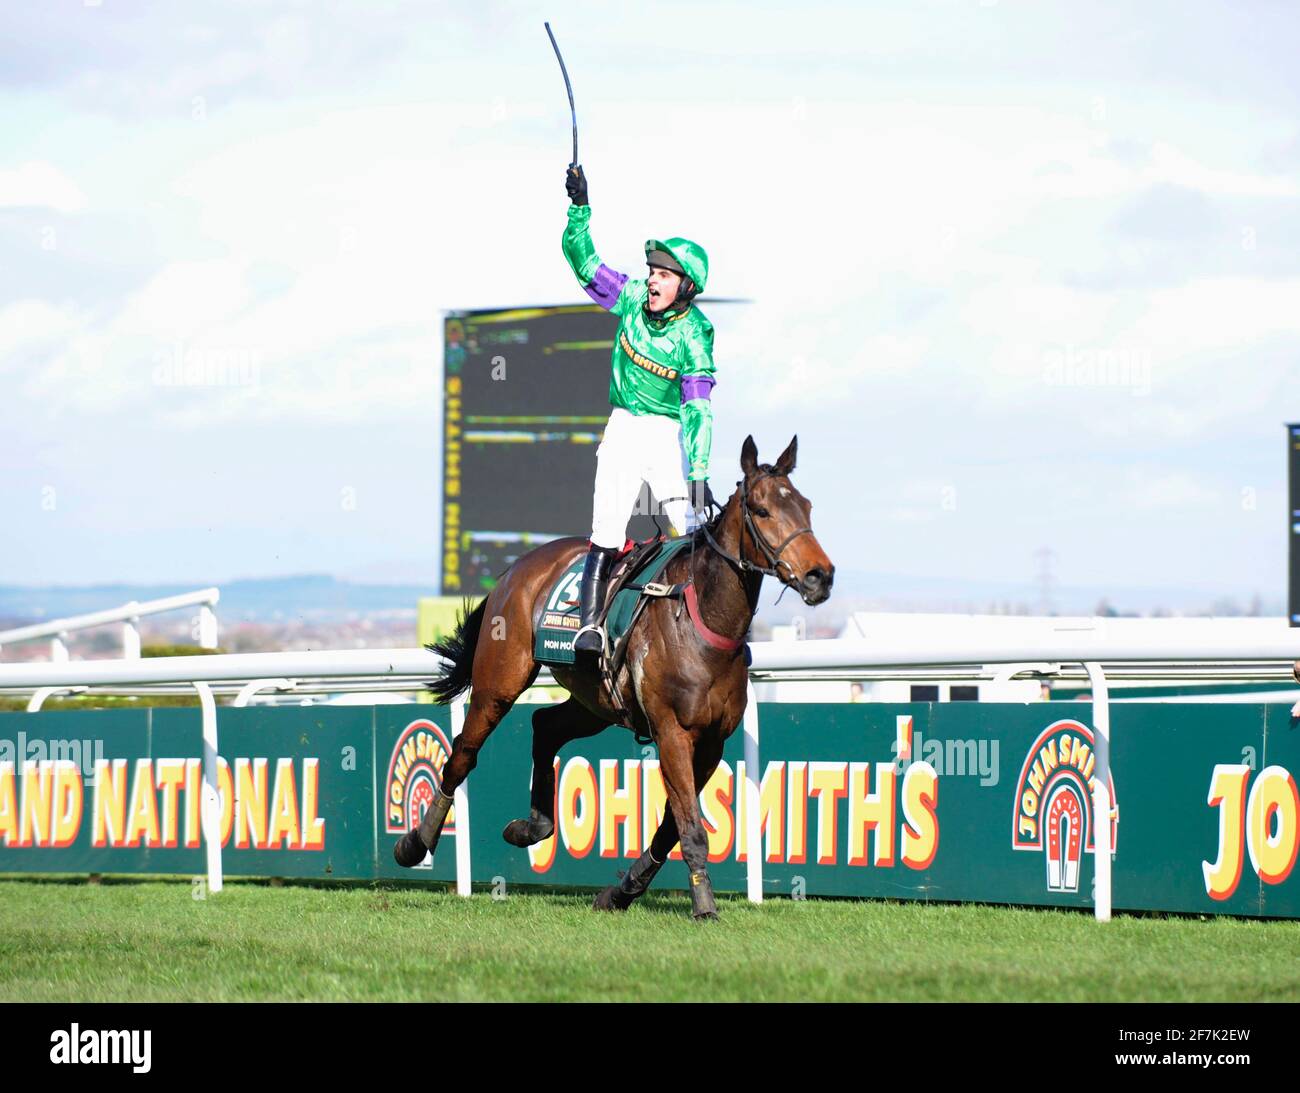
x,y
761,512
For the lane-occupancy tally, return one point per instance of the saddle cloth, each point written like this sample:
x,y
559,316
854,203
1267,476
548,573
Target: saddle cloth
x,y
560,619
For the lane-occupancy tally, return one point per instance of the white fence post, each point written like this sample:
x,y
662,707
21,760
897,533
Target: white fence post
x,y
131,637
207,627
753,778
464,875
211,801
1100,790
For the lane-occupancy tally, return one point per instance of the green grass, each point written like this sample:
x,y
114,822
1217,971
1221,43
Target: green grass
x,y
150,940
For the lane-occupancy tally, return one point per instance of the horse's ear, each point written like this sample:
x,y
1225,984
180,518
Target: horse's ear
x,y
785,464
749,456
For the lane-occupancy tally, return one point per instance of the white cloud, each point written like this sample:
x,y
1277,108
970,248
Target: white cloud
x,y
1158,487
28,324
39,185
1213,314
1173,165
185,300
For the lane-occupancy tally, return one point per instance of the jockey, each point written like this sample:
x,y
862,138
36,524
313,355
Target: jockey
x,y
661,427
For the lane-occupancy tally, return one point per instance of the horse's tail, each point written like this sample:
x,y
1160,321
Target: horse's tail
x,y
454,677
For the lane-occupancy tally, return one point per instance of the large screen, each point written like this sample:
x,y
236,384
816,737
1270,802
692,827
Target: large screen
x,y
525,401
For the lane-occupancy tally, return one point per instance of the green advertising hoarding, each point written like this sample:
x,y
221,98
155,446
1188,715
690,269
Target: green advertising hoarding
x,y
935,801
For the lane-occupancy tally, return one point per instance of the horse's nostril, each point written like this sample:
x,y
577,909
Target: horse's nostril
x,y
814,578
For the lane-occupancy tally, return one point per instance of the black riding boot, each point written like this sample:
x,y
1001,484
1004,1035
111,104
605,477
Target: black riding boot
x,y
595,577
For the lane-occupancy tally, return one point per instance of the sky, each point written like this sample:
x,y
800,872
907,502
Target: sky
x,y
1024,275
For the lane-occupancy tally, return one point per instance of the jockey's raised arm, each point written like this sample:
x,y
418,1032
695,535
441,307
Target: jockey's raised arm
x,y
602,284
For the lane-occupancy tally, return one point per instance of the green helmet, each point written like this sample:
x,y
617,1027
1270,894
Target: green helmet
x,y
689,258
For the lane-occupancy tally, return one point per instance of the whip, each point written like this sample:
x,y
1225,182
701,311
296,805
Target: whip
x,y
569,88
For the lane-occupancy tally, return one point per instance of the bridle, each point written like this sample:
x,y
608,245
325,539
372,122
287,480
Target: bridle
x,y
742,564
773,555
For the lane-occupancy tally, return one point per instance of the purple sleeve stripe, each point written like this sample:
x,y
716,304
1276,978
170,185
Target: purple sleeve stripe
x,y
696,387
606,286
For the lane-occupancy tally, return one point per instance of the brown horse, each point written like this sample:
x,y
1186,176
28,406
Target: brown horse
x,y
682,685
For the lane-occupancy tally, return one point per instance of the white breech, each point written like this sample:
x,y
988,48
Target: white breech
x,y
639,450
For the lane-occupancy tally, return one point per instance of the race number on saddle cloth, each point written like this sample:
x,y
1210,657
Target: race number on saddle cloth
x,y
662,373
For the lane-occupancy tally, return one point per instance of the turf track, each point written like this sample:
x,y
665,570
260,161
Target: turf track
x,y
136,940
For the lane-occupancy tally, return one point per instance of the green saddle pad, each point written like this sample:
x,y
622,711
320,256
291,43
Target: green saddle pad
x,y
560,617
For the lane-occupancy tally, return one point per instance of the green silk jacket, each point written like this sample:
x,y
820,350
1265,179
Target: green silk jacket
x,y
660,365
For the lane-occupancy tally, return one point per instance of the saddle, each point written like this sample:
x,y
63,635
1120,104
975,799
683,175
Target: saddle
x,y
630,587
639,557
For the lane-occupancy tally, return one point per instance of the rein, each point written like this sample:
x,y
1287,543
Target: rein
x,y
743,564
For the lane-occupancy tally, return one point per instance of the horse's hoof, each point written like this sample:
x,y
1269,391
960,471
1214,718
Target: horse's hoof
x,y
707,916
409,851
528,832
608,900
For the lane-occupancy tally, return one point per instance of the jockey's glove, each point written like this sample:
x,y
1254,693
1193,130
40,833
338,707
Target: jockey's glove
x,y
701,498
575,182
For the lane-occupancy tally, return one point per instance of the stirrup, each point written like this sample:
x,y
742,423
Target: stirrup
x,y
596,628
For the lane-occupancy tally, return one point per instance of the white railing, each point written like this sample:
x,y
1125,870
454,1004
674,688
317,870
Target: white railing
x,y
129,615
1046,649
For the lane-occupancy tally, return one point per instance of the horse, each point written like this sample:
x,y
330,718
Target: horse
x,y
682,682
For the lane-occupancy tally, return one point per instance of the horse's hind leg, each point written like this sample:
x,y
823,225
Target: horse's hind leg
x,y
553,727
635,882
503,682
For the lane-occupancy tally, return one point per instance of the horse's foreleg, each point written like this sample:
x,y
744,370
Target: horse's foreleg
x,y
553,727
488,704
677,761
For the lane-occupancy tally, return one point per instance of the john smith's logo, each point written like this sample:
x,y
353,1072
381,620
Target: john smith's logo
x,y
414,775
1054,802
